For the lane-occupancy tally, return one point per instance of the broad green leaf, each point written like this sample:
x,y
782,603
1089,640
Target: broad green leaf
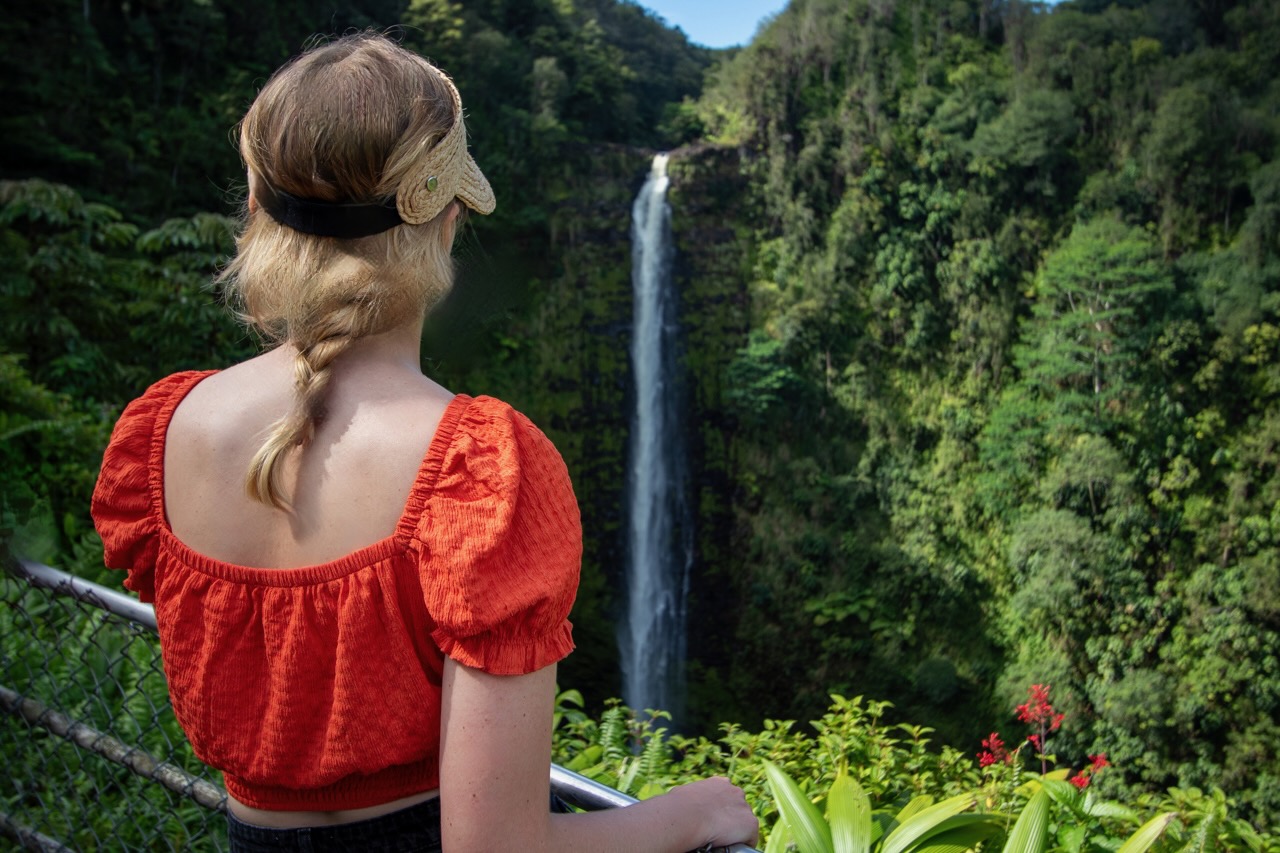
x,y
924,822
917,805
779,838
881,825
1065,794
1071,839
807,826
650,790
962,836
587,758
1028,833
1148,834
849,813
1108,808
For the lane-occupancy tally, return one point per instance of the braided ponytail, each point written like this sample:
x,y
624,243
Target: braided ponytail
x,y
313,370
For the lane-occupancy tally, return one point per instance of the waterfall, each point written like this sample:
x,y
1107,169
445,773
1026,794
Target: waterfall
x,y
659,540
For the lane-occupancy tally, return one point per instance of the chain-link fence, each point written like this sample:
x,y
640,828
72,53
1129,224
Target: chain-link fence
x,y
92,756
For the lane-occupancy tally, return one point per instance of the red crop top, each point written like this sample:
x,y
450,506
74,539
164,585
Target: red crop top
x,y
318,688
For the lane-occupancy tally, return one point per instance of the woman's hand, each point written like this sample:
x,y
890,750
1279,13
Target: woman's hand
x,y
726,817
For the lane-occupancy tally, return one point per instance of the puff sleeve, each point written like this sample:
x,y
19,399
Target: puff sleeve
x,y
124,505
501,545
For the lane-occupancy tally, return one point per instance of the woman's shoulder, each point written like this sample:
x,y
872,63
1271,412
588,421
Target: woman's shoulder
x,y
498,473
136,429
166,392
494,447
499,425
126,506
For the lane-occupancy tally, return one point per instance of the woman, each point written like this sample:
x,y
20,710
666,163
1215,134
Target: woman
x,y
362,580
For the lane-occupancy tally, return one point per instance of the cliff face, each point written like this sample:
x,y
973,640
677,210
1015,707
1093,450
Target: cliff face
x,y
713,263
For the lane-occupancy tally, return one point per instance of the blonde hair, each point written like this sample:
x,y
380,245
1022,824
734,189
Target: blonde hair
x,y
345,122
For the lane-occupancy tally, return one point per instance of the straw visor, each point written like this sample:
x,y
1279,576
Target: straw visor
x,y
446,172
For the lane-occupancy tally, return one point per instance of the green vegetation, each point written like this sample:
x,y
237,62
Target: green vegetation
x,y
1007,412
983,335
882,788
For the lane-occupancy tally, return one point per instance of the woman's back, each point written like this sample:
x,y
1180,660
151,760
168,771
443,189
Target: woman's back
x,y
346,492
318,690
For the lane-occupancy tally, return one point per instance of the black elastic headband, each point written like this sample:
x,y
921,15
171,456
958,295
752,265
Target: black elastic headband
x,y
327,218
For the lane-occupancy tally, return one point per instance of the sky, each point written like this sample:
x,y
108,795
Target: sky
x,y
715,23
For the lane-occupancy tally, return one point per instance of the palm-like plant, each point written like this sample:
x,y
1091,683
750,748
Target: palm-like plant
x,y
924,826
850,825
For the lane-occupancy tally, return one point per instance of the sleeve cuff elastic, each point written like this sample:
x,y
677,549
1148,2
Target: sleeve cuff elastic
x,y
508,656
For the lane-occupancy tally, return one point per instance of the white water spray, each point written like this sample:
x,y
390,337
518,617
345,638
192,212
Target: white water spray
x,y
660,547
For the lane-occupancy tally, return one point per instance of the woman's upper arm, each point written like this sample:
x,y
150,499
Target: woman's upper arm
x,y
495,762
495,757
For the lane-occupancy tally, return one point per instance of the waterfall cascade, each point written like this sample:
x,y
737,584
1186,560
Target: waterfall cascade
x,y
659,542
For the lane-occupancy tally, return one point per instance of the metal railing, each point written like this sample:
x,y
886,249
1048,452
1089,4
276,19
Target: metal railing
x,y
89,683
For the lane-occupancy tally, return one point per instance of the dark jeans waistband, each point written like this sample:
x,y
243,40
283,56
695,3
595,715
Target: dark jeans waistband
x,y
415,829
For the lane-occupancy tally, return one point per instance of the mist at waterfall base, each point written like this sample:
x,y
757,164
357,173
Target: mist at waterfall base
x,y
659,524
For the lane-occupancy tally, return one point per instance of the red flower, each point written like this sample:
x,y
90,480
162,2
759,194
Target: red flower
x,y
1096,762
1035,741
1037,711
995,751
